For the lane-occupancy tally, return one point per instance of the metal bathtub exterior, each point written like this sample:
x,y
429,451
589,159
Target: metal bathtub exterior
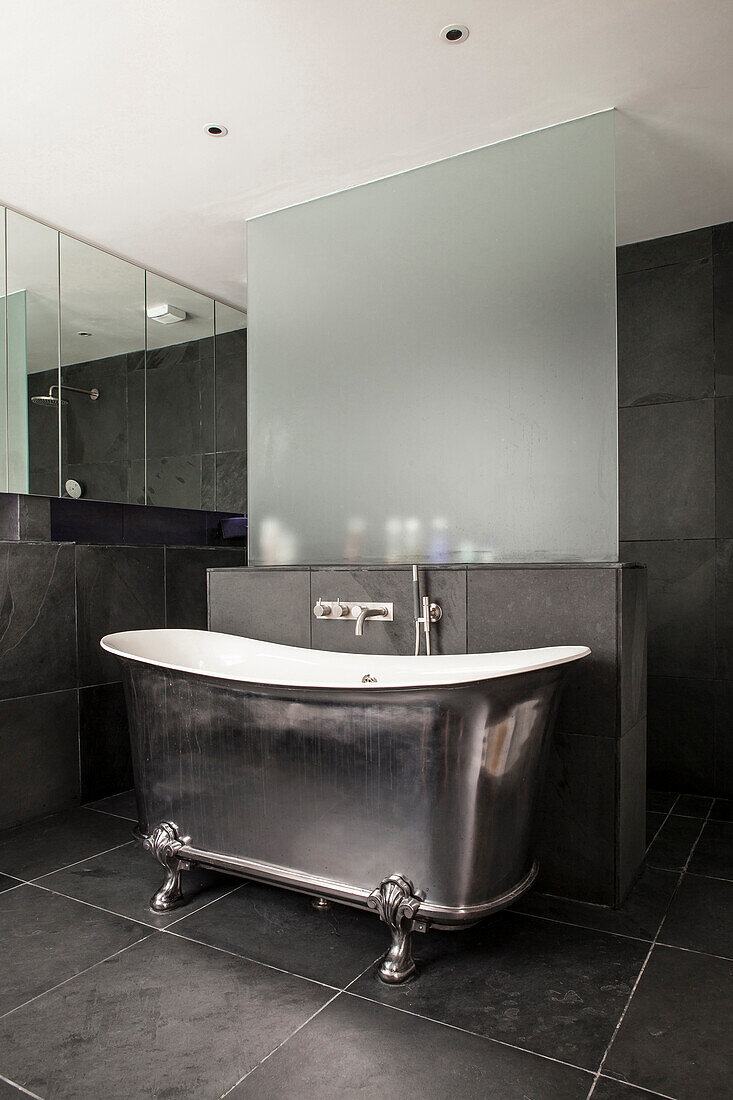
x,y
331,790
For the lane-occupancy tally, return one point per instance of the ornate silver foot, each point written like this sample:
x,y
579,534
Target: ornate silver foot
x,y
165,843
397,902
321,904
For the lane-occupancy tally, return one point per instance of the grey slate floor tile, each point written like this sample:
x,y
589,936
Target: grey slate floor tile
x,y
167,1018
640,915
42,846
282,929
550,988
675,1037
119,805
45,939
700,917
671,848
356,1050
608,1089
713,853
124,880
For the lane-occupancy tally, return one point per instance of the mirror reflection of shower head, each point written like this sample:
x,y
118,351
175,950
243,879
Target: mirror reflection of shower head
x,y
56,400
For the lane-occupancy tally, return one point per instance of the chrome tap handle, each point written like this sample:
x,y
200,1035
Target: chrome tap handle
x,y
338,609
320,610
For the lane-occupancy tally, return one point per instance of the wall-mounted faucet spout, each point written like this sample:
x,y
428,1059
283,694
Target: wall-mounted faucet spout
x,y
364,613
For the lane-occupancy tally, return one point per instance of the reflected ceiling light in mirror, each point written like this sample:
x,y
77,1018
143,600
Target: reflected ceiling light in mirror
x,y
165,314
454,33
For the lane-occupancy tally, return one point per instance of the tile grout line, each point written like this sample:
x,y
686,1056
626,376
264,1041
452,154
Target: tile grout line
x,y
652,1092
585,927
249,959
109,813
664,822
124,916
299,1028
213,901
76,862
20,1088
72,977
465,1031
649,955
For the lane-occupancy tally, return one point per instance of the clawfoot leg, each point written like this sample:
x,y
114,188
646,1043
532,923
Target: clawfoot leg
x,y
164,843
397,903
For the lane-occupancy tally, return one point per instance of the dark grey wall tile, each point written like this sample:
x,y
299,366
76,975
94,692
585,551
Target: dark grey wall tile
x,y
37,626
665,334
449,588
175,481
96,431
185,582
231,481
723,237
104,742
43,427
118,588
231,402
272,605
681,604
632,807
527,608
34,518
666,471
9,517
173,405
633,655
724,467
577,820
723,753
679,248
100,481
40,756
364,585
723,297
724,609
681,734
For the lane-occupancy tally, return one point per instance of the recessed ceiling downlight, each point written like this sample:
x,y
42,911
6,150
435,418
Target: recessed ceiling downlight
x,y
455,33
215,129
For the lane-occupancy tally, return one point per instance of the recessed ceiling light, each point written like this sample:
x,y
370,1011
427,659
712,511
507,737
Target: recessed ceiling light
x,y
83,334
215,129
455,33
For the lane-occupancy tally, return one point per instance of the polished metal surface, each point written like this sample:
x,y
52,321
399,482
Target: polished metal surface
x,y
321,904
165,843
339,611
424,613
50,399
397,903
328,790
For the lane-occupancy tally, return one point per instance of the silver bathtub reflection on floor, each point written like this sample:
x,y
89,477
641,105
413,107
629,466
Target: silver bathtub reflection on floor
x,y
415,801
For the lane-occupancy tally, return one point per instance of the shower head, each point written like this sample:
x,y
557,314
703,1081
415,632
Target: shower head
x,y
51,399
48,399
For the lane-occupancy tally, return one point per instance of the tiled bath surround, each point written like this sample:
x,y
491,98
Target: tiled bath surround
x,y
63,728
592,821
675,322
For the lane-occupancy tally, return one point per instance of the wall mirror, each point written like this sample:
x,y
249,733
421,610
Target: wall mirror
x,y
117,384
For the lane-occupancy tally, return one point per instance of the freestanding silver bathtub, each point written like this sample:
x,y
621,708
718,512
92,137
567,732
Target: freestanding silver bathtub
x,y
407,785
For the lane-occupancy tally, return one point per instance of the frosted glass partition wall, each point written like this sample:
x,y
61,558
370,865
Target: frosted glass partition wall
x,y
432,362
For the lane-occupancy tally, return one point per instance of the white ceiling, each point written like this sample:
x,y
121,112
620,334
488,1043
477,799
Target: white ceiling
x,y
104,104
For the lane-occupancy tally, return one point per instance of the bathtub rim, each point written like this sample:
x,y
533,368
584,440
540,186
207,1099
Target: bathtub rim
x,y
445,663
